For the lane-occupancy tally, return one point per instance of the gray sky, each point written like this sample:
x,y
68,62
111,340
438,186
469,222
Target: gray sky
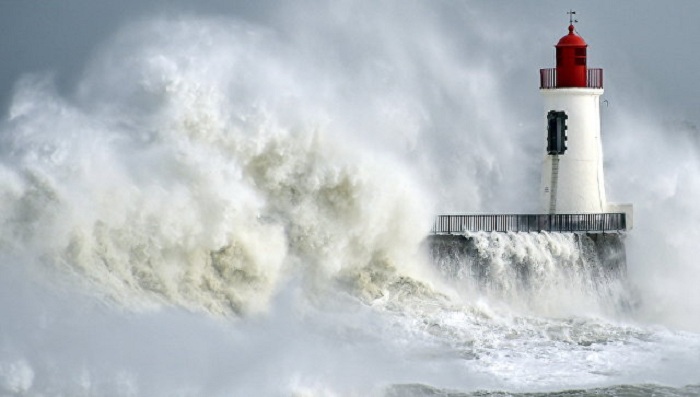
x,y
653,40
647,47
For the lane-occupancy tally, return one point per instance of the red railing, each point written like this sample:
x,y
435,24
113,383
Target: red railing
x,y
548,78
595,78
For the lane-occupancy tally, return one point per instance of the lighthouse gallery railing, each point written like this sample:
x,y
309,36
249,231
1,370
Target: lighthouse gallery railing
x,y
591,223
548,78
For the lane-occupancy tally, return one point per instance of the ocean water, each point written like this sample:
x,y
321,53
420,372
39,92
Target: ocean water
x,y
211,212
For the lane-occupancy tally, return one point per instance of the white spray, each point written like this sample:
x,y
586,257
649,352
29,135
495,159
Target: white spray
x,y
196,181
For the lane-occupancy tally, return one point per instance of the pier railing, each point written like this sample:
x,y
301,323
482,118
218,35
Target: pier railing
x,y
585,223
548,78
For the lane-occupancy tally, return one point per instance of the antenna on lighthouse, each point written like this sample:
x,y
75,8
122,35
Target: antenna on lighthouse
x,y
571,17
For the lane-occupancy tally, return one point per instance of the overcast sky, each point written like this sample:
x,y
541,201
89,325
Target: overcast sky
x,y
655,42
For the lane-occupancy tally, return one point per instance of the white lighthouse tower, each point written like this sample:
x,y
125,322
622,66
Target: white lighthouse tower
x,y
572,169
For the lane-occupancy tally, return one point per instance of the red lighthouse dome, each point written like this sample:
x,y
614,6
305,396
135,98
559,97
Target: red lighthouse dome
x,y
572,70
571,39
571,60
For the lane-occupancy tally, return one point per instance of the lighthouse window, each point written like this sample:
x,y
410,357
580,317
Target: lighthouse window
x,y
556,132
580,56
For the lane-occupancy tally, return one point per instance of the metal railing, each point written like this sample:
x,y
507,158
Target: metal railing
x,y
589,223
594,78
548,78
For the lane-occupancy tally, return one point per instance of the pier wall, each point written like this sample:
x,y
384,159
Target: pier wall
x,y
483,255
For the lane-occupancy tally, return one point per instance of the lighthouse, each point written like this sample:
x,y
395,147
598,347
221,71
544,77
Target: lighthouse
x,y
572,166
572,188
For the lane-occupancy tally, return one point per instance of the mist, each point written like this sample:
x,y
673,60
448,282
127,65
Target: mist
x,y
230,198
